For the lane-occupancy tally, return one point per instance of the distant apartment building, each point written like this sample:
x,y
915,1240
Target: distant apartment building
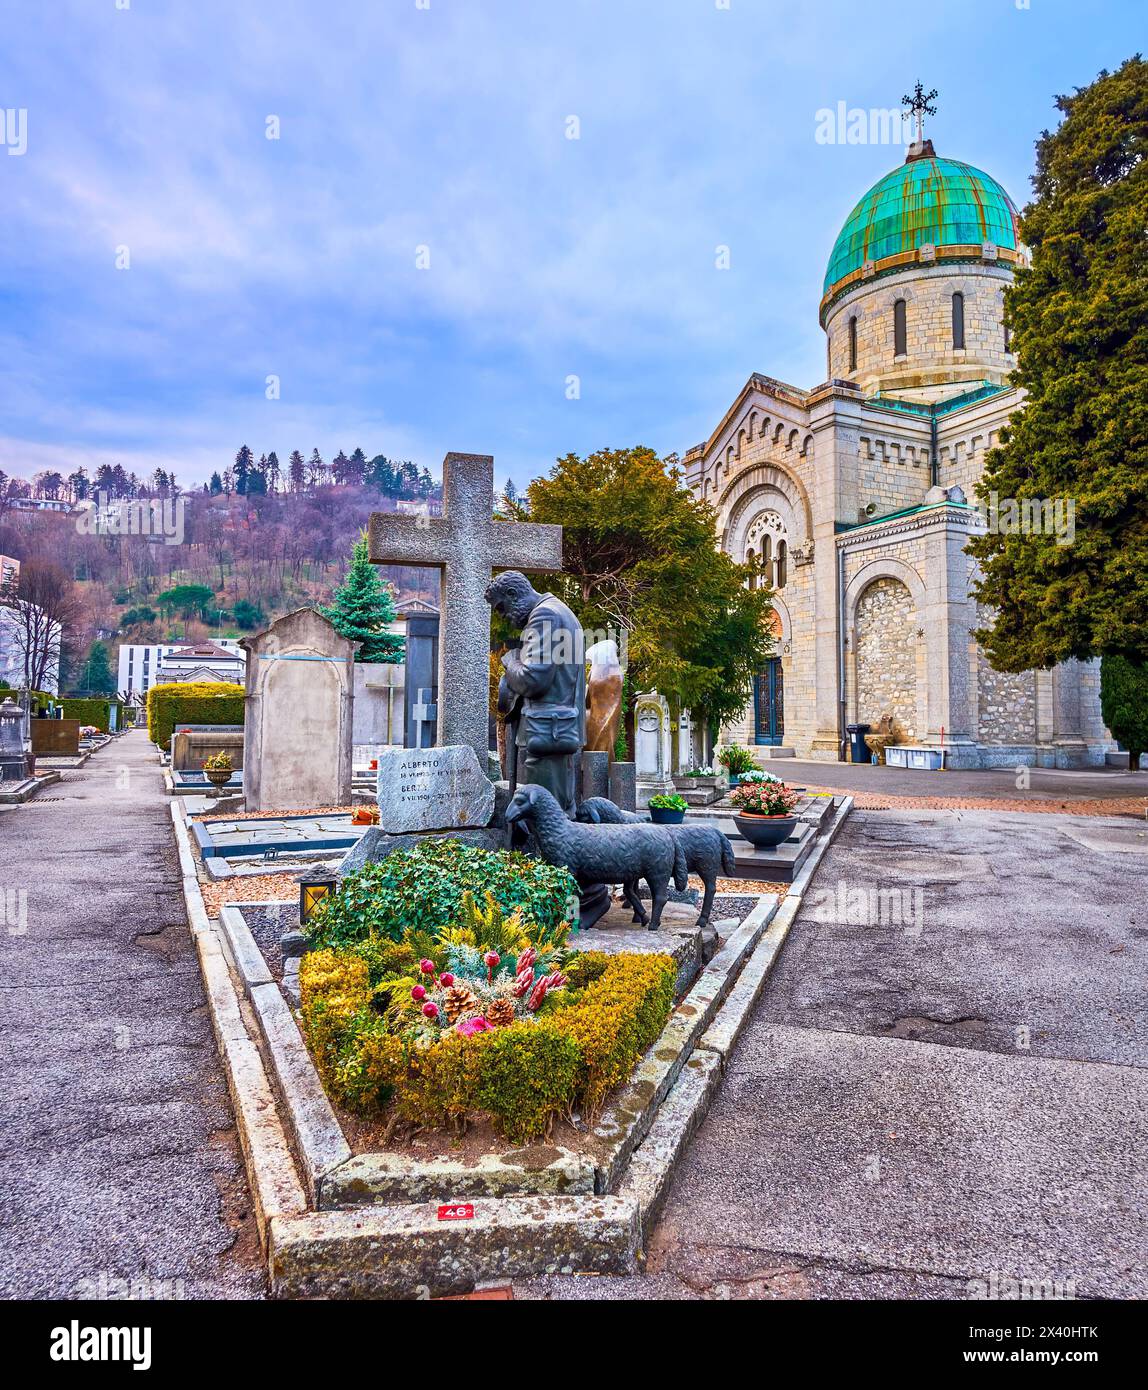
x,y
142,665
41,504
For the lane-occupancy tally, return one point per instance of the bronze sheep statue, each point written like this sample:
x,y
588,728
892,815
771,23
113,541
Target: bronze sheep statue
x,y
707,850
602,853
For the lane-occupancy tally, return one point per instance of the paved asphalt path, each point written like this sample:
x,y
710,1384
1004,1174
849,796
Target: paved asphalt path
x,y
917,1105
120,1156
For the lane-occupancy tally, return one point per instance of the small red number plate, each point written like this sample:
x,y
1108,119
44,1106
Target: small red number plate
x,y
457,1211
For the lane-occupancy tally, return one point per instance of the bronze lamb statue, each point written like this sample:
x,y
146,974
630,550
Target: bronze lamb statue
x,y
708,852
602,853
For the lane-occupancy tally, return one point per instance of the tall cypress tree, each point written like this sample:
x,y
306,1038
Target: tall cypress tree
x,y
362,607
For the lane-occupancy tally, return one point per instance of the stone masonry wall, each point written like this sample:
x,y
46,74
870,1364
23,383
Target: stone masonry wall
x,y
928,294
886,656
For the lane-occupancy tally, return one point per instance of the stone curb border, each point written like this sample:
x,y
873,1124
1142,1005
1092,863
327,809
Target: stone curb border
x,y
275,1187
408,1250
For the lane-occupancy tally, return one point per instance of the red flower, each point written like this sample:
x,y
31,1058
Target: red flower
x,y
418,992
427,967
446,980
431,1010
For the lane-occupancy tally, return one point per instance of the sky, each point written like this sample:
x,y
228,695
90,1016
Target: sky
x,y
511,227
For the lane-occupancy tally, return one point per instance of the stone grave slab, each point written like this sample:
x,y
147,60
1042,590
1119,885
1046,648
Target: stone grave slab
x,y
441,788
257,835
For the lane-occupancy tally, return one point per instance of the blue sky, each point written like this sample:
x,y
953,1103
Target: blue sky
x,y
443,124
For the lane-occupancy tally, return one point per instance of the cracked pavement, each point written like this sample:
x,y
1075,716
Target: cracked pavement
x,y
917,1104
120,1155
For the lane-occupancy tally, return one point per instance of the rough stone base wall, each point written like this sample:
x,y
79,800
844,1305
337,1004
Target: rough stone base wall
x,y
886,655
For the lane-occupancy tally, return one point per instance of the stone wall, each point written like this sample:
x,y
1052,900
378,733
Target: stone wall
x,y
886,655
930,356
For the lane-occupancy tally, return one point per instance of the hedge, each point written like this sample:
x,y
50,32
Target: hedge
x,y
523,1076
90,710
191,702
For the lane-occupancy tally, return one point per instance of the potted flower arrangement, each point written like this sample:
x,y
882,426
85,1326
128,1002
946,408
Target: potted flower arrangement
x,y
365,815
737,760
764,813
668,810
218,769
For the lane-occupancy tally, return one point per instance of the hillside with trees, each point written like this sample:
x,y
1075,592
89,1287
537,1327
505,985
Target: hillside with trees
x,y
260,538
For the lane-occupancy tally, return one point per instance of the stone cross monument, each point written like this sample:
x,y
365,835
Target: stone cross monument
x,y
466,544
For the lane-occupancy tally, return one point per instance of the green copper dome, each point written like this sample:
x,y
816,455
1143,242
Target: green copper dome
x,y
924,201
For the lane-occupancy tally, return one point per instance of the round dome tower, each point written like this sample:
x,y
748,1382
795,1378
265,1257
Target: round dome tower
x,y
914,291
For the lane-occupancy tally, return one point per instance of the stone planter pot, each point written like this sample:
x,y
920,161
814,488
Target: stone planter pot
x,y
685,784
662,815
765,832
217,776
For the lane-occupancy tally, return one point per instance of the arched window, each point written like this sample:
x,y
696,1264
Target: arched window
x,y
782,563
958,320
900,336
751,561
766,553
853,343
1007,339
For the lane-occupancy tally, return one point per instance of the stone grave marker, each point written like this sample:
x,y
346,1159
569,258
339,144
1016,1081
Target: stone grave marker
x,y
433,789
298,720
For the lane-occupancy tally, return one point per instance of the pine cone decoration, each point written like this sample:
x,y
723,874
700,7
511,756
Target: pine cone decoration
x,y
500,1013
458,1000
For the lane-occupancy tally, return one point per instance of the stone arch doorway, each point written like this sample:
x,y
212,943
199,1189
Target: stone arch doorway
x,y
887,654
769,695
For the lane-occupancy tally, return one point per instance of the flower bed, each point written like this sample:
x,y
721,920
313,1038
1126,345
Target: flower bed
x,y
493,1016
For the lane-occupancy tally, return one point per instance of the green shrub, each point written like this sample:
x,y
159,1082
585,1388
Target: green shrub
x,y
620,1013
528,1075
1124,704
422,888
94,711
191,702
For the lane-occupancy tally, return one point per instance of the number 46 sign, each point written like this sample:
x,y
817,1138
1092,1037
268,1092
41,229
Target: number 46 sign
x,y
456,1211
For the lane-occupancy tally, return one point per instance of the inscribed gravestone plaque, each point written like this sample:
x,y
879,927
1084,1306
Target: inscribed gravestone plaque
x,y
433,789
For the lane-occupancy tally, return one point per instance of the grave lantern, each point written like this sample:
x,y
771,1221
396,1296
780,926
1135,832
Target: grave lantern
x,y
314,887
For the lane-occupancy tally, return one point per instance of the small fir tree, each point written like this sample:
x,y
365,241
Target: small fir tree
x,y
362,607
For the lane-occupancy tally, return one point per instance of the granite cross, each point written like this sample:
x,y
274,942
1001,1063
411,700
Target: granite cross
x,y
423,712
466,544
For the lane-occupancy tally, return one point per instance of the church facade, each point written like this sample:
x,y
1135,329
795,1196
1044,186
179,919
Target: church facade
x,y
856,499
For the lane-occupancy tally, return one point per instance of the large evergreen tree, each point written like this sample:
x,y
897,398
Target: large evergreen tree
x,y
244,463
362,607
1079,325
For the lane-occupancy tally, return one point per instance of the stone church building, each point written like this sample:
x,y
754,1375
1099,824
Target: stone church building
x,y
855,498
